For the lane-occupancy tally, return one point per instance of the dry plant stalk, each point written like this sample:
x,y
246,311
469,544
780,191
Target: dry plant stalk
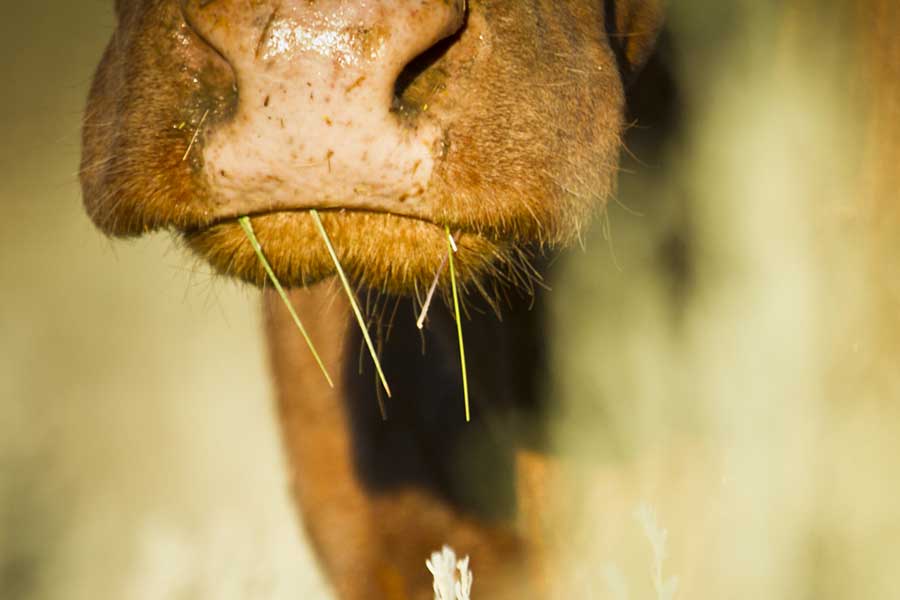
x,y
251,235
420,323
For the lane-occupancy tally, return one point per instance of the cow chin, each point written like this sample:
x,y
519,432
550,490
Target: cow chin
x,y
390,253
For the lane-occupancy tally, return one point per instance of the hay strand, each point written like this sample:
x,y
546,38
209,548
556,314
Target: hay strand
x,y
353,303
451,248
251,235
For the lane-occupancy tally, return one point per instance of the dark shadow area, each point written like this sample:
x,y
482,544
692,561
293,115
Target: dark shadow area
x,y
425,440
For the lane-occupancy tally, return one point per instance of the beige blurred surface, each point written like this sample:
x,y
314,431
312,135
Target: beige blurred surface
x,y
747,393
138,452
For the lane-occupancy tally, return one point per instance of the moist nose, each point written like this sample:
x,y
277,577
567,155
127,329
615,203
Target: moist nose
x,y
314,126
373,39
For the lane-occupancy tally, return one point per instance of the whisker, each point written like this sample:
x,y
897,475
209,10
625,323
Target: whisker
x,y
194,137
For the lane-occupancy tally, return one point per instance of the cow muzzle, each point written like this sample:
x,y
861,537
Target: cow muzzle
x,y
317,124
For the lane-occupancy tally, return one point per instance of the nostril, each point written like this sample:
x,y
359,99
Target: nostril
x,y
422,79
191,15
328,96
210,77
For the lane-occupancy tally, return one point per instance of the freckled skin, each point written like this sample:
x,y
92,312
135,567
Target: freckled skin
x,y
505,128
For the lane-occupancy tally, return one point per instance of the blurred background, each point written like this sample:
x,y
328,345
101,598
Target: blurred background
x,y
725,346
139,458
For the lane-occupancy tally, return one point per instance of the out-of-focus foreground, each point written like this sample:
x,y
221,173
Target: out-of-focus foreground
x,y
139,458
727,355
730,355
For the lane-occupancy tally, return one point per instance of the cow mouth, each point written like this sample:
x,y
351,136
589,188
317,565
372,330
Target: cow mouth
x,y
409,206
396,253
233,217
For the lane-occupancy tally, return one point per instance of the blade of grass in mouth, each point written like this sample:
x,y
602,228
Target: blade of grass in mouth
x,y
248,230
353,303
451,248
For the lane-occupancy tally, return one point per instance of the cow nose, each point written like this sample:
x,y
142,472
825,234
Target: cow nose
x,y
378,36
316,80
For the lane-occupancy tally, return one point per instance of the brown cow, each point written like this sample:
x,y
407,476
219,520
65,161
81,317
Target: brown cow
x,y
498,120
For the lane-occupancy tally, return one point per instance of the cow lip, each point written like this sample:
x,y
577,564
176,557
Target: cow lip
x,y
410,207
225,219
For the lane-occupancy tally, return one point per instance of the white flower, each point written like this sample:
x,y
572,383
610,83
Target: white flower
x,y
464,585
443,567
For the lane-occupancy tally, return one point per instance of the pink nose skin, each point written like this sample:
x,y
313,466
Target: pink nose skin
x,y
313,127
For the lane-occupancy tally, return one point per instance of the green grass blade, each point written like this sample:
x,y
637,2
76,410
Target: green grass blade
x,y
451,248
352,297
248,230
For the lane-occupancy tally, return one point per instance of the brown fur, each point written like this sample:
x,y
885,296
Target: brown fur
x,y
370,546
531,95
532,101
